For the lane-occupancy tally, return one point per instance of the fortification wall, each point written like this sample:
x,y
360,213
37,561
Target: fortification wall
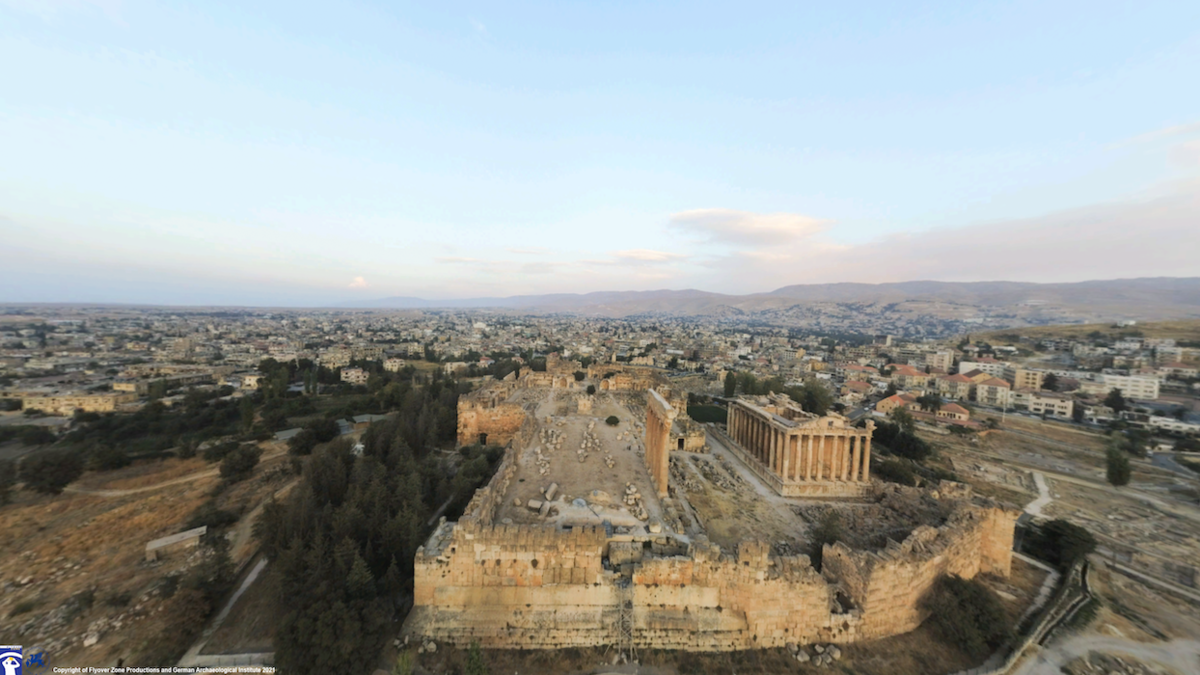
x,y
535,587
500,421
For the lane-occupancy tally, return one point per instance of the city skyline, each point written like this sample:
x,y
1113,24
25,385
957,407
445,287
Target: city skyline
x,y
294,156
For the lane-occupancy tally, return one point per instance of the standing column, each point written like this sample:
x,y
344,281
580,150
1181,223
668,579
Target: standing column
x,y
820,455
845,456
808,459
786,455
774,450
856,446
866,467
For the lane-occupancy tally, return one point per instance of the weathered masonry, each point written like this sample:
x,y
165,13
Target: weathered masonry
x,y
660,416
798,453
581,583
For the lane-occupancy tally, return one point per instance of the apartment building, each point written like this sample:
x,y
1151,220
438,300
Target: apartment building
x,y
995,392
1040,402
990,366
1024,378
354,375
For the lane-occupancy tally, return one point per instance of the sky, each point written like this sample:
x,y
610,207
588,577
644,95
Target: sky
x,y
303,154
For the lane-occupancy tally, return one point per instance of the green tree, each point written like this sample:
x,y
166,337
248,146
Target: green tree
x,y
50,471
1050,383
612,421
1061,543
240,463
967,614
1118,471
1116,401
591,389
246,413
891,390
730,384
37,435
828,531
302,443
904,419
110,458
8,478
930,402
579,375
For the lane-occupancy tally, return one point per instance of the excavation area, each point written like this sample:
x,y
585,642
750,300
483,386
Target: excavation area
x,y
577,469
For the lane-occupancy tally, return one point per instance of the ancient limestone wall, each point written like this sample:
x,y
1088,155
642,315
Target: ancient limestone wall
x,y
532,586
888,585
498,419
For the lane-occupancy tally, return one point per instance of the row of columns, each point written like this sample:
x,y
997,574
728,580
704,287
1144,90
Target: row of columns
x,y
802,454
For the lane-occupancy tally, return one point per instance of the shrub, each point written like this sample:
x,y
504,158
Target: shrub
x,y
591,389
239,464
218,451
612,421
1060,543
208,515
965,613
50,471
36,435
828,531
302,443
896,471
109,458
708,413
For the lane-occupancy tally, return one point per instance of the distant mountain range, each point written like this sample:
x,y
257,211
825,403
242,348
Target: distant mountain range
x,y
1148,298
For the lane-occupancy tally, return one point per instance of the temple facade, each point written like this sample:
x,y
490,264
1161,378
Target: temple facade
x,y
798,453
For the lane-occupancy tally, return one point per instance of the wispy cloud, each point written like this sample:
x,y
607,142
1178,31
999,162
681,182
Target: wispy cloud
x,y
642,255
529,250
745,228
457,260
477,25
358,282
1159,134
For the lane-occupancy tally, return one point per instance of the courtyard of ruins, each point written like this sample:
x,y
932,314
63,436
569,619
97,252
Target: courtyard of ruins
x,y
614,520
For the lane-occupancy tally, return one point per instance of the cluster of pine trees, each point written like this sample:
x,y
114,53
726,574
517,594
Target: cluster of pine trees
x,y
343,544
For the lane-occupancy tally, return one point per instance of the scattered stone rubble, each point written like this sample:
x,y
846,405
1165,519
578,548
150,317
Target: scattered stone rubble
x,y
824,655
633,500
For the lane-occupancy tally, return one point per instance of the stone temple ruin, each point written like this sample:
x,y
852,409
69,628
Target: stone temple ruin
x,y
594,535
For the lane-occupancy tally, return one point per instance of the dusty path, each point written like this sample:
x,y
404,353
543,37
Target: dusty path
x,y
1034,508
158,486
1182,655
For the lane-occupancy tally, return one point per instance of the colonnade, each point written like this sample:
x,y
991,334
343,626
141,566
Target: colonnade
x,y
805,452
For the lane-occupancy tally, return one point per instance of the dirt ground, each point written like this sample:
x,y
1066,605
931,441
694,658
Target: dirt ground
x,y
250,625
591,479
78,567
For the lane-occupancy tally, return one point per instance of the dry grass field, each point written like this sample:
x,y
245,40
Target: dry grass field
x,y
1187,329
74,576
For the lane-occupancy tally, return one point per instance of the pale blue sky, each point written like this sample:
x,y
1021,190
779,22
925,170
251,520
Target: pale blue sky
x,y
295,153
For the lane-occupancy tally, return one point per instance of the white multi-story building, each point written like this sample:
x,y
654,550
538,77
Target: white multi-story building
x,y
1131,386
1174,425
1040,402
394,365
989,366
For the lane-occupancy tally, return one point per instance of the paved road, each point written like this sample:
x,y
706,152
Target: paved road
x,y
1166,460
1182,655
